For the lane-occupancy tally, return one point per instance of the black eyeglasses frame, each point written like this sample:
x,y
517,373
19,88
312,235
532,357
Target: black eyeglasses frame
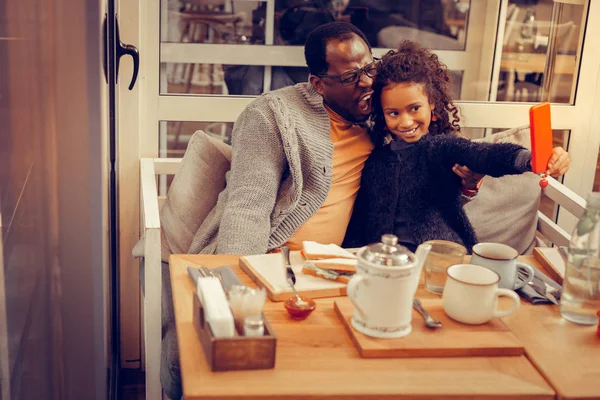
x,y
354,73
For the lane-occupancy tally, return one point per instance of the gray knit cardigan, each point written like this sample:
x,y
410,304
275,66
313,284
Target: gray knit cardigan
x,y
280,174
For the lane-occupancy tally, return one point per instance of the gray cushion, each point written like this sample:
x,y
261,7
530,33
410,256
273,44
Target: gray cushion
x,y
505,209
193,192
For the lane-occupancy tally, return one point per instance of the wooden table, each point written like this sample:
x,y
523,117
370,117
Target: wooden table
x,y
316,359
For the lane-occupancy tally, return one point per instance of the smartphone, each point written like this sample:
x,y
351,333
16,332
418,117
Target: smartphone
x,y
540,128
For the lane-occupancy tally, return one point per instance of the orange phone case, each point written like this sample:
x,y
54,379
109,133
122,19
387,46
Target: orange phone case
x,y
541,137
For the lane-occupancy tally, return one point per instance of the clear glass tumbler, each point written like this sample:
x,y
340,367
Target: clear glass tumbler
x,y
442,255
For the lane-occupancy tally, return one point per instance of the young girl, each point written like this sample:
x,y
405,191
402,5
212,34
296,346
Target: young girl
x,y
408,187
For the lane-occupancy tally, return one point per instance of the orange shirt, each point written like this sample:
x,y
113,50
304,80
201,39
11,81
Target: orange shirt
x,y
351,148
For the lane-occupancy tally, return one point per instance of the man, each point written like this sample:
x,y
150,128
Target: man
x,y
292,147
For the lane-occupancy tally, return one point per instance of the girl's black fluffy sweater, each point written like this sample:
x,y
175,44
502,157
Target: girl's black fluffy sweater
x,y
419,183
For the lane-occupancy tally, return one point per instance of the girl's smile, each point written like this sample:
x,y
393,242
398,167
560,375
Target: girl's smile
x,y
406,110
408,133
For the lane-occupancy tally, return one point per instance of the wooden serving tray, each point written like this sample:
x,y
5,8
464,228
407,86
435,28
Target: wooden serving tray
x,y
268,271
452,340
238,352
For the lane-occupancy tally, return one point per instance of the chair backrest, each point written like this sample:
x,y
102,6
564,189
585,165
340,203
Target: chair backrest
x,y
567,200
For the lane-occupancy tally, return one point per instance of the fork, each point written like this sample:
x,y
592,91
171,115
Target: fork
x,y
205,271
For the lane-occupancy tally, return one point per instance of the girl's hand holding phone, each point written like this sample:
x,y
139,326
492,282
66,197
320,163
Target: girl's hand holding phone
x,y
559,162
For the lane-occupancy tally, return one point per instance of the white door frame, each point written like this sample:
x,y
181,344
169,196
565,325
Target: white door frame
x,y
128,154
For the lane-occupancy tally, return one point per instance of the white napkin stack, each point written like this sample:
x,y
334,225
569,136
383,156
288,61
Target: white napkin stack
x,y
216,308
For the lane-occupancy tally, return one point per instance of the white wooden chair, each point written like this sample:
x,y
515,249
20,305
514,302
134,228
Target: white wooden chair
x,y
151,168
150,268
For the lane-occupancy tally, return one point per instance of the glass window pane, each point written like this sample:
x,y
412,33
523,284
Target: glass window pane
x,y
174,137
439,24
539,51
212,21
179,134
218,79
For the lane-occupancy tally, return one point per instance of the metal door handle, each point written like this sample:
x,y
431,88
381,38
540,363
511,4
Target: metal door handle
x,y
120,50
126,49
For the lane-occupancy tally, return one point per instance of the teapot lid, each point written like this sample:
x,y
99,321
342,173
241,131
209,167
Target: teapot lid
x,y
388,253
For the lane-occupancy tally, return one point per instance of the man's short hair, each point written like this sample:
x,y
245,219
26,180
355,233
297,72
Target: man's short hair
x,y
316,43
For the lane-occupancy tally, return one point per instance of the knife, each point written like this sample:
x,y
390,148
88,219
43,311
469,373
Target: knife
x,y
291,277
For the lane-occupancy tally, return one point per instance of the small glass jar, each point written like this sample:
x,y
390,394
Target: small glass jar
x,y
254,326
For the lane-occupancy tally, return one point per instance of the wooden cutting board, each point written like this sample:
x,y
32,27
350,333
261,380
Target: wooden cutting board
x,y
552,261
268,271
452,340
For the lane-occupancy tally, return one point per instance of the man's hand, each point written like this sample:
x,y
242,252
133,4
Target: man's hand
x,y
470,180
559,162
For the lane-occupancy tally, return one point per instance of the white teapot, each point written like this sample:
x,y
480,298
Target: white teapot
x,y
384,287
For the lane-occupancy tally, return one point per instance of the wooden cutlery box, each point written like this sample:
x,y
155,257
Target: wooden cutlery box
x,y
238,352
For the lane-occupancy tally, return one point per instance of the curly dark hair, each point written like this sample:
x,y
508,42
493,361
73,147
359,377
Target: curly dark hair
x,y
414,63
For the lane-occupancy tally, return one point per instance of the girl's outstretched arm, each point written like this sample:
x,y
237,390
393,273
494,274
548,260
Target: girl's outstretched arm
x,y
559,164
495,159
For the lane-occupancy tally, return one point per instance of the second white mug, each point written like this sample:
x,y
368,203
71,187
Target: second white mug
x,y
502,259
470,295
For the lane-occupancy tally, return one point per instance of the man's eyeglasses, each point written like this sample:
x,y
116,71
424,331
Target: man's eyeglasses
x,y
351,77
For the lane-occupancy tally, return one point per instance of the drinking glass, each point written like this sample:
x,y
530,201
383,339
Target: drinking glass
x,y
443,254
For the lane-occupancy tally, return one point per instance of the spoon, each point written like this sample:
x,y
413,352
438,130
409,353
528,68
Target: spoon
x,y
299,301
429,322
291,277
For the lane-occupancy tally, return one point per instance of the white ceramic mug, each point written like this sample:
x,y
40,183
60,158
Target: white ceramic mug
x,y
502,259
471,292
